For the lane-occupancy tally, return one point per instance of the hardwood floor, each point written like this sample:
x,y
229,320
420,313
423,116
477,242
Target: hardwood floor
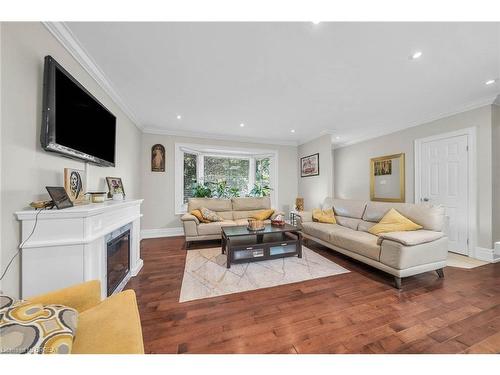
x,y
357,312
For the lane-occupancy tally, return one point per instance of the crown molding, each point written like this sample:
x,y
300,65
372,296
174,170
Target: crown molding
x,y
381,132
220,137
69,41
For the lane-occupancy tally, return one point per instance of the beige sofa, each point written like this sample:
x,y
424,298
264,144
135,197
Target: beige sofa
x,y
234,211
400,254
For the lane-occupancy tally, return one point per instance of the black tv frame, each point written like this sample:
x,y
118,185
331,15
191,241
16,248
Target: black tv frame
x,y
48,129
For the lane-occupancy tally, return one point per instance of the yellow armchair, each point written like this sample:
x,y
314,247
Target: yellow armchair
x,y
111,326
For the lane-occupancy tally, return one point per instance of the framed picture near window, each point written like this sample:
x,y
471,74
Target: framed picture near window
x,y
158,158
309,165
115,186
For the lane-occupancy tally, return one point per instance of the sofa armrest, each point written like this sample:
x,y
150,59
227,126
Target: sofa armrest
x,y
80,297
189,217
411,238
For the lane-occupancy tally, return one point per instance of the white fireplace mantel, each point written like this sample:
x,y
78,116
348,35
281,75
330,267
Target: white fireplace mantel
x,y
68,246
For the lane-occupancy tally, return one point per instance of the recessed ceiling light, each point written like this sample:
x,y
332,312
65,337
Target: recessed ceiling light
x,y
491,81
242,125
416,55
316,22
179,117
292,131
337,137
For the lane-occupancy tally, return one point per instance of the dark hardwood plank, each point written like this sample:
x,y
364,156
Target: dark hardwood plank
x,y
357,312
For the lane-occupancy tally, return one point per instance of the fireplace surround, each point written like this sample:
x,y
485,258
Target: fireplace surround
x,y
69,246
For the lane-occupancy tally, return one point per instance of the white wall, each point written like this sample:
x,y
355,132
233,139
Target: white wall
x,y
352,163
315,189
158,187
496,171
26,168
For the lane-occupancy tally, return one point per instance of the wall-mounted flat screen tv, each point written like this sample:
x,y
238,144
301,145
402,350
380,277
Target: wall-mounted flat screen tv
x,y
75,124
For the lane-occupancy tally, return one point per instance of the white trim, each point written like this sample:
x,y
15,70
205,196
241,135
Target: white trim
x,y
382,132
472,178
162,232
69,41
180,207
487,255
220,137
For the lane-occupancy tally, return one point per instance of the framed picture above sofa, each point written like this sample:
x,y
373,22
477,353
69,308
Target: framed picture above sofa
x,y
387,178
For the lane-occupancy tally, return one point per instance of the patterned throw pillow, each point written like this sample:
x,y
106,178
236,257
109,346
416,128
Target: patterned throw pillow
x,y
199,216
210,215
34,328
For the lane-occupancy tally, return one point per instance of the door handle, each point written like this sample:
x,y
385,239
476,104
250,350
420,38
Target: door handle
x,y
425,199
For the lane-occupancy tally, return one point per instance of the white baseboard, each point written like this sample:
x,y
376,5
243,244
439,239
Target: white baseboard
x,y
487,255
161,232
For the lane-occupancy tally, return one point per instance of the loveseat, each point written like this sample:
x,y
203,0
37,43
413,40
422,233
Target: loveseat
x,y
400,254
235,211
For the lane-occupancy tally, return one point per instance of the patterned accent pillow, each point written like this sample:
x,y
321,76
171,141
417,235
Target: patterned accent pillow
x,y
199,216
33,328
210,215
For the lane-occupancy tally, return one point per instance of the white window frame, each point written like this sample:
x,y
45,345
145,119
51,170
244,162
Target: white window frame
x,y
221,151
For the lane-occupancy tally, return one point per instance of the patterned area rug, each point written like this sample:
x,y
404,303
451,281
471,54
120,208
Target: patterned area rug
x,y
206,275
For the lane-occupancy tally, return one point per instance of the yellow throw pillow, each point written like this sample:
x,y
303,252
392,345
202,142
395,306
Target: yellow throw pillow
x,y
199,216
393,221
262,215
324,216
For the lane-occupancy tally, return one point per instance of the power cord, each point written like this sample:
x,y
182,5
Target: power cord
x,y
22,244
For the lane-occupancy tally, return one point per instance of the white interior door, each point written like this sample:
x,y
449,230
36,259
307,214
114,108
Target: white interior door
x,y
444,176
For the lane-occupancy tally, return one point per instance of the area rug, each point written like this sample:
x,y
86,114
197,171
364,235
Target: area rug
x,y
461,261
206,275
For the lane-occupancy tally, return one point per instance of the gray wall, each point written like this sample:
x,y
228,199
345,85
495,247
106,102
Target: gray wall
x,y
315,189
158,189
352,178
26,168
496,171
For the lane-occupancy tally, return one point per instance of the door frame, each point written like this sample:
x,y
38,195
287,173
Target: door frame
x,y
471,134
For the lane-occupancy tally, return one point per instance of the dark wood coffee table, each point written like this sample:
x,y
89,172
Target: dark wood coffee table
x,y
243,245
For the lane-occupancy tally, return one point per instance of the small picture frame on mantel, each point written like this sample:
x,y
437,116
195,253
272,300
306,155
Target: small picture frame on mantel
x,y
115,186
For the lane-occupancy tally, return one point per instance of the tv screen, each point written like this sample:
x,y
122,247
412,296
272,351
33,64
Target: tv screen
x,y
74,123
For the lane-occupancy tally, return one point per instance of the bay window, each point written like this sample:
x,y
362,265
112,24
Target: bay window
x,y
225,172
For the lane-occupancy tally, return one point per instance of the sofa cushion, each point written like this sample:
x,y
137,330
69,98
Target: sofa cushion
x,y
214,204
349,208
361,243
364,226
348,222
250,203
226,215
215,227
111,327
393,221
320,230
428,216
412,238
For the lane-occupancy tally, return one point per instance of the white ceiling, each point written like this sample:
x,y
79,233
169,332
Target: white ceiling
x,y
352,80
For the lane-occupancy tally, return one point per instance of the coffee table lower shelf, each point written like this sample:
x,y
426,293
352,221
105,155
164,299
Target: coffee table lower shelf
x,y
257,247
